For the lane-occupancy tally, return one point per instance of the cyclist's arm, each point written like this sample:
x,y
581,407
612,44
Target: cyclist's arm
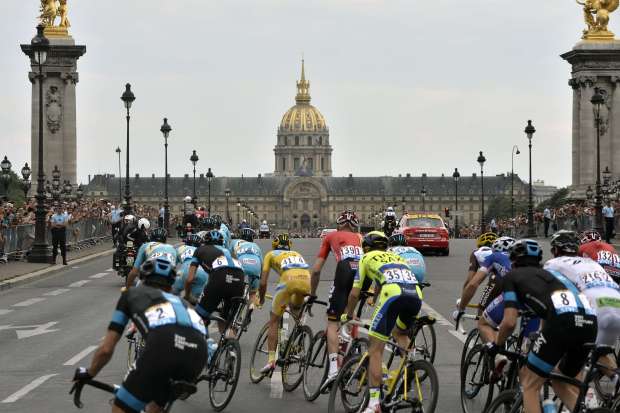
x,y
131,277
104,352
264,277
511,313
473,268
191,274
316,274
472,286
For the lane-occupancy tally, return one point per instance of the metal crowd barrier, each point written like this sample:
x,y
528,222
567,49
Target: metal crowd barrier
x,y
82,234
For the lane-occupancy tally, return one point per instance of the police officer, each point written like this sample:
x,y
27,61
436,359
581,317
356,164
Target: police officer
x,y
58,223
116,219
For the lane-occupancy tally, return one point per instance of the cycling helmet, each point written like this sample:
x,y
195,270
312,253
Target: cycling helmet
x,y
187,199
281,242
144,223
208,223
565,241
213,237
397,240
193,240
264,222
589,236
390,209
525,248
374,240
218,220
247,234
503,244
158,271
129,219
486,239
348,217
159,235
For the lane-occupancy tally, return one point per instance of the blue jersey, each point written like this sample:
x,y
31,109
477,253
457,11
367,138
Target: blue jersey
x,y
250,256
198,285
414,259
226,233
497,263
155,250
233,244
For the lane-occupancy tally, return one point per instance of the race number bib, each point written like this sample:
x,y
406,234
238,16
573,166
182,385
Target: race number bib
x,y
160,314
564,302
597,279
293,261
159,254
219,262
187,254
351,251
399,275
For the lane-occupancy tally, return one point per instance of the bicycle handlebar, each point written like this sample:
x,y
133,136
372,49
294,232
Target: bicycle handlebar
x,y
77,388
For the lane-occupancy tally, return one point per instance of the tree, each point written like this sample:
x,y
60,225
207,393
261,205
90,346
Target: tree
x,y
500,208
15,191
558,199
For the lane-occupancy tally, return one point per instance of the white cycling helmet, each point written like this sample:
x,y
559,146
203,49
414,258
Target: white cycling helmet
x,y
129,218
264,222
188,199
144,223
390,209
503,244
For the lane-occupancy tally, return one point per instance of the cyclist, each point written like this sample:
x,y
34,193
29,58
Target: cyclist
x,y
569,323
264,230
476,258
292,287
398,305
251,258
346,245
593,281
157,247
174,335
185,254
389,221
226,277
605,254
415,259
223,228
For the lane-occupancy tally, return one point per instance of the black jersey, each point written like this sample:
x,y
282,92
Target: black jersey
x,y
150,308
212,258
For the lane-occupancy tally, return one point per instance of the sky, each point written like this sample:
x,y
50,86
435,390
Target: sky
x,y
406,86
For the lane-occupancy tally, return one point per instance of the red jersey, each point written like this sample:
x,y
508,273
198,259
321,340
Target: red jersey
x,y
603,253
343,244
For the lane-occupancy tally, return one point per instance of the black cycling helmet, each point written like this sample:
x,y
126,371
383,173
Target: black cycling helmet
x,y
213,237
193,240
158,271
397,240
209,223
565,241
374,240
247,234
526,251
159,235
218,220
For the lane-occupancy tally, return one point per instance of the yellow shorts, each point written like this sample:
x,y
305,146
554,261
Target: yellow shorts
x,y
293,286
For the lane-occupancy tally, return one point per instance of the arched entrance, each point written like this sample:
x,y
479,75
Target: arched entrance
x,y
305,222
305,197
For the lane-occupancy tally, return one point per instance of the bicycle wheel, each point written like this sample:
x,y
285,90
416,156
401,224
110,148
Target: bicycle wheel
x,y
351,385
224,374
476,392
238,324
416,387
472,340
260,355
295,356
317,366
425,342
505,402
135,348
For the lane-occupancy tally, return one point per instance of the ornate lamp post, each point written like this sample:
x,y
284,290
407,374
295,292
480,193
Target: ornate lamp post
x,y
67,188
238,206
515,151
26,171
423,193
456,176
481,160
128,97
529,132
56,183
41,251
5,165
597,101
227,193
165,130
79,192
209,179
120,180
194,160
589,193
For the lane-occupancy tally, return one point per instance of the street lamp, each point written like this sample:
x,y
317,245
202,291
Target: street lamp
x,y
165,130
227,193
481,160
6,177
120,180
128,97
56,182
209,179
515,151
597,101
26,171
238,206
67,189
423,193
41,251
79,192
589,193
194,160
529,132
456,176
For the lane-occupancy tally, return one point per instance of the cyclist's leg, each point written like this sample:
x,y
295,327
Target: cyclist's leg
x,y
343,282
491,318
410,305
233,288
608,322
278,306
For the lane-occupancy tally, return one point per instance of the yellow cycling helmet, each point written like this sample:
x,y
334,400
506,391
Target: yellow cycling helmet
x,y
486,239
281,242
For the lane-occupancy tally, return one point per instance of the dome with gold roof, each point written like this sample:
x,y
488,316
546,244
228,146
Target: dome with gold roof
x,y
303,117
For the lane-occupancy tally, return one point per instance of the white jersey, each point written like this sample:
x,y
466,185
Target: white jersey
x,y
589,277
481,253
264,228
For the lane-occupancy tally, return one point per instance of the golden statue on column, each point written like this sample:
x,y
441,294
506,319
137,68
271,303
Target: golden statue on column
x,y
596,15
51,10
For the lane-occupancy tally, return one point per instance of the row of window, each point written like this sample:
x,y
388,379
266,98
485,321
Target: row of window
x,y
307,165
302,140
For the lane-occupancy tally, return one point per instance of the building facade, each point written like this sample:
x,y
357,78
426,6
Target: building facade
x,y
302,194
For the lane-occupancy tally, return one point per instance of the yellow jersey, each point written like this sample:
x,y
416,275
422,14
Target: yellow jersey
x,y
283,260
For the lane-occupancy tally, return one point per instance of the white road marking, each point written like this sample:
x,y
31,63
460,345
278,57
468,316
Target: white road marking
x,y
5,311
110,269
31,331
78,283
99,275
29,302
79,356
56,292
75,267
443,322
27,388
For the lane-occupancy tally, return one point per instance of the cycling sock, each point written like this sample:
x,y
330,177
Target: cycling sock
x,y
333,363
272,356
375,393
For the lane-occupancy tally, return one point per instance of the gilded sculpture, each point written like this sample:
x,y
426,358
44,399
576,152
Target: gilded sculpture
x,y
596,15
50,11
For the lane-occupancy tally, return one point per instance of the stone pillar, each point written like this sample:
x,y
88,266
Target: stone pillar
x,y
59,108
594,64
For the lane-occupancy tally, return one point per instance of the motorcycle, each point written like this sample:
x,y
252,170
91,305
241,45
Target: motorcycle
x,y
124,258
264,234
